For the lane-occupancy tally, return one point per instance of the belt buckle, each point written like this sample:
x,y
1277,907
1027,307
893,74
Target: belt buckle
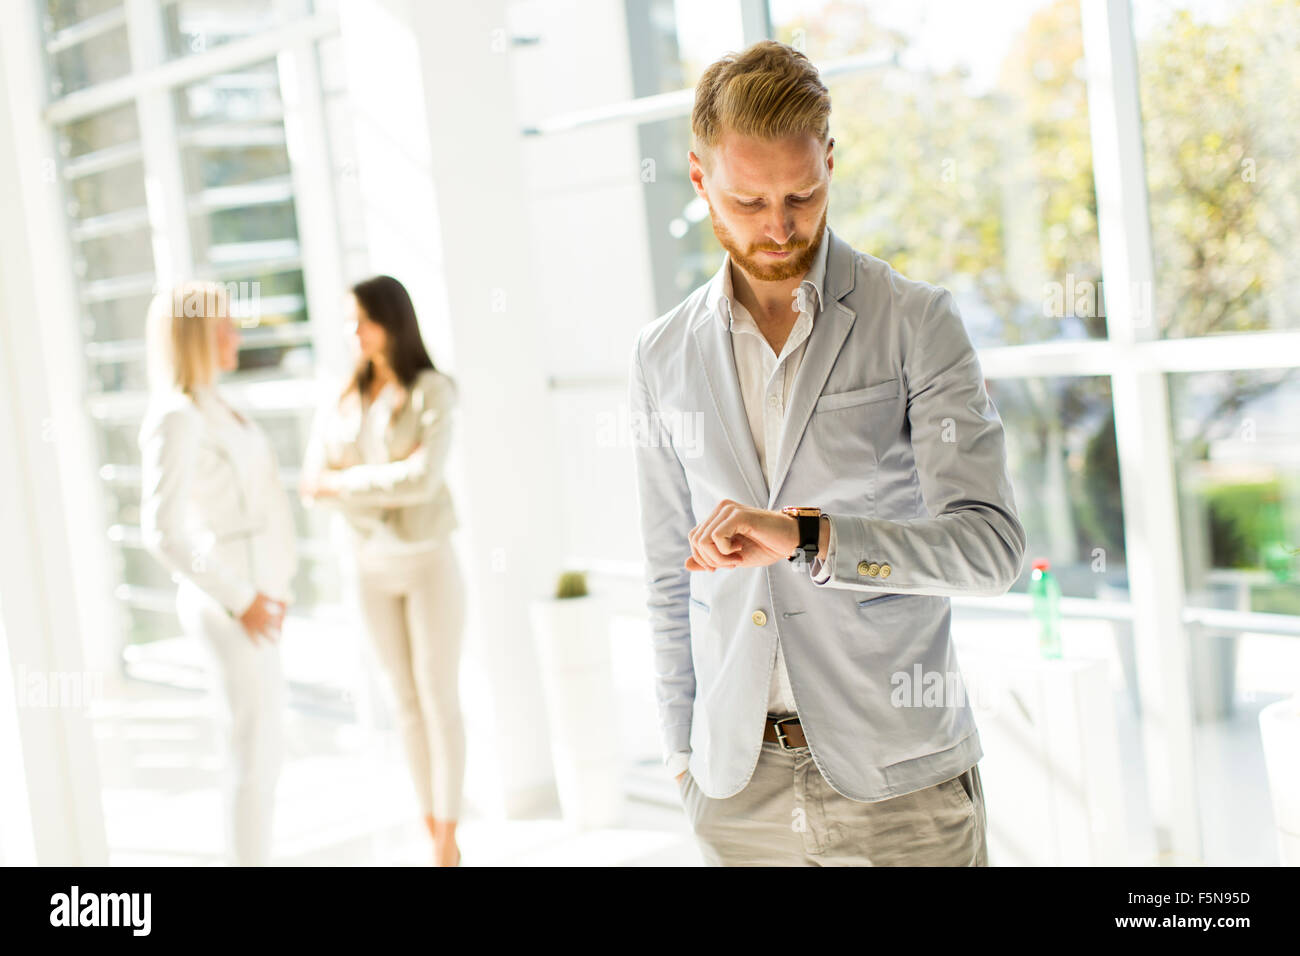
x,y
780,732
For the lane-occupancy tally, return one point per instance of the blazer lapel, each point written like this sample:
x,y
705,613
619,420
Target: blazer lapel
x,y
829,331
718,360
218,433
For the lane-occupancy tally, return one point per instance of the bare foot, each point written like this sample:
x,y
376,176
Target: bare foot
x,y
445,850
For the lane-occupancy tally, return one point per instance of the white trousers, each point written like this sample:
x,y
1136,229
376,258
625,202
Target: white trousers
x,y
250,694
414,613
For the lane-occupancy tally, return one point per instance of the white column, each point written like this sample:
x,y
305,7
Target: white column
x,y
1151,528
52,575
442,180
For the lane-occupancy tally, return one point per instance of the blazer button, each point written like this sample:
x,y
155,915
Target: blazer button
x,y
873,569
864,567
884,570
759,618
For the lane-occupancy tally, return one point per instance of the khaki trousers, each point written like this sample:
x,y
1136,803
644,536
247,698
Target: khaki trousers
x,y
788,815
414,613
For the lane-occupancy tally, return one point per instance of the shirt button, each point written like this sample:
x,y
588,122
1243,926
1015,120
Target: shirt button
x,y
863,567
873,569
759,617
884,570
773,401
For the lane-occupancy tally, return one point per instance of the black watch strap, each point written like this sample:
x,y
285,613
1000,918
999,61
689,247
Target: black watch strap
x,y
809,537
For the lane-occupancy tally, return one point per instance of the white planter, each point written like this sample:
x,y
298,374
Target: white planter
x,y
572,640
1279,729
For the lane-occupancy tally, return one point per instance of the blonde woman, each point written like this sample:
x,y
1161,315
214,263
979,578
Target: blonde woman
x,y
214,512
377,454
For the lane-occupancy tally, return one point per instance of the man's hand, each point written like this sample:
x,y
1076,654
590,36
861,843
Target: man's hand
x,y
735,536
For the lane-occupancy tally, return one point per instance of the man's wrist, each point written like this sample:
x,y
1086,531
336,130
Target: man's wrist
x,y
678,762
823,537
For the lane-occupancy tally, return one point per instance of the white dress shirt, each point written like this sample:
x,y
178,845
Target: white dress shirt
x,y
766,380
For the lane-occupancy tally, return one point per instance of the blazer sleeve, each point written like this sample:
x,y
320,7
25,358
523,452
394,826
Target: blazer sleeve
x,y
314,463
169,443
973,542
411,480
666,520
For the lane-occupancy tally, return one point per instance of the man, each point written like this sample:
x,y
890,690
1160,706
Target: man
x,y
808,374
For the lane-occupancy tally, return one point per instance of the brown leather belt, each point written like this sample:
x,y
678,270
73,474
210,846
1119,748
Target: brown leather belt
x,y
785,731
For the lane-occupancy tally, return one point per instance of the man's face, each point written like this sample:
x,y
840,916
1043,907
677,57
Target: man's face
x,y
768,201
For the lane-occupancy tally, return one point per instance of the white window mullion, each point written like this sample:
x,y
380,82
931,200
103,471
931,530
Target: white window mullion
x,y
755,20
1151,530
164,181
311,167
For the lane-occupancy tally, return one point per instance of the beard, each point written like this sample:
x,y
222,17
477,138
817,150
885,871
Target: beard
x,y
757,266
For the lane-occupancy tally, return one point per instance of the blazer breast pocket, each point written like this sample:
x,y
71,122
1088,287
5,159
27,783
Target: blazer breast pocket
x,y
846,432
858,396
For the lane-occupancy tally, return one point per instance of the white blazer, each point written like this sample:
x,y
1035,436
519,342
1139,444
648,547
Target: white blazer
x,y
212,506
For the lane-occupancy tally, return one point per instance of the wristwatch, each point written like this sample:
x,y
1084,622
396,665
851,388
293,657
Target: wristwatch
x,y
810,520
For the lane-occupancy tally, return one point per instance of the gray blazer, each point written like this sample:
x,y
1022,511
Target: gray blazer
x,y
891,432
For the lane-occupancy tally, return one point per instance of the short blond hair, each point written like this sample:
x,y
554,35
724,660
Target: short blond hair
x,y
181,333
769,91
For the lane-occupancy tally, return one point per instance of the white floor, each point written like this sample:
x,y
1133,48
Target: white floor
x,y
344,797
339,802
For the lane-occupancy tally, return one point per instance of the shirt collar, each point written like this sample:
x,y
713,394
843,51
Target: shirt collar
x,y
722,294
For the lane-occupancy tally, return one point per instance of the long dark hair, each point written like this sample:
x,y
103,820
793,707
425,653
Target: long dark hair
x,y
387,303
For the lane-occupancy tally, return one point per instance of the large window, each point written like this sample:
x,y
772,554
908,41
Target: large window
x,y
965,164
191,176
1221,125
204,138
965,157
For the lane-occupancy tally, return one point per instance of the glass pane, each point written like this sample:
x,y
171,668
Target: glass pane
x,y
117,127
112,190
673,43
1221,127
106,257
243,222
683,250
60,14
1237,460
196,26
249,96
105,198
573,57
1237,468
98,59
145,626
116,319
1065,468
119,443
969,165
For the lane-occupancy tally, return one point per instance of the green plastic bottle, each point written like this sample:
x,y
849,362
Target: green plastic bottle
x,y
1047,608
